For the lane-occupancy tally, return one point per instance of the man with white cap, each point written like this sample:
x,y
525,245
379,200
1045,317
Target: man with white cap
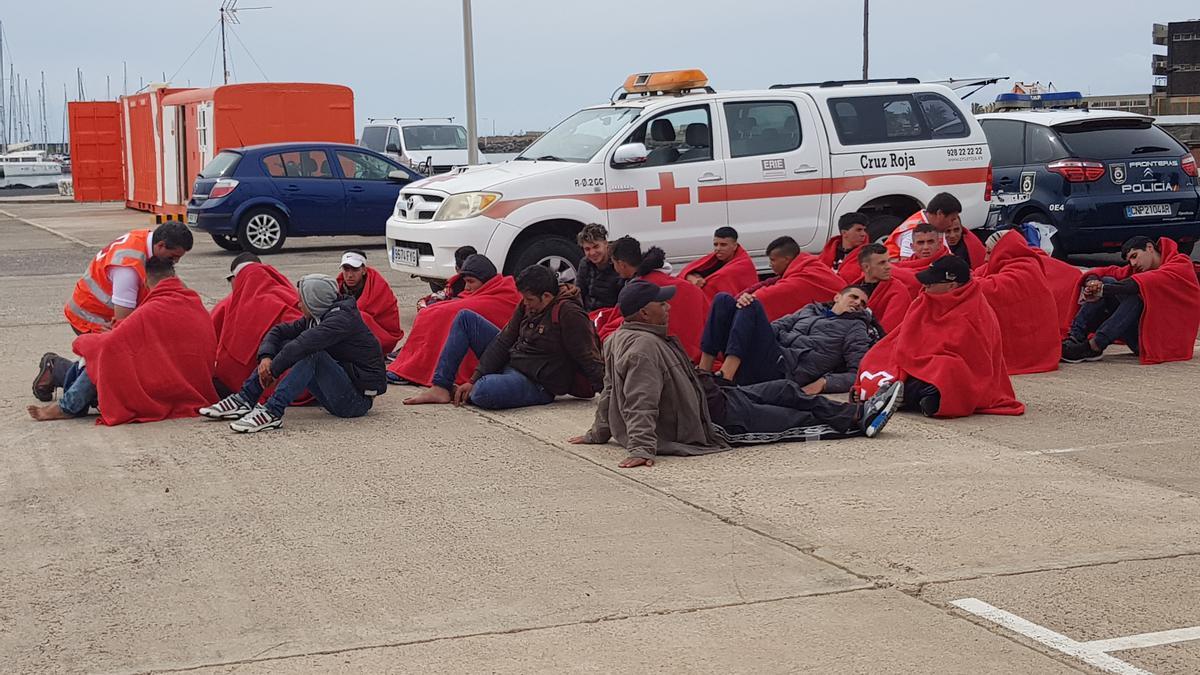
x,y
374,296
329,352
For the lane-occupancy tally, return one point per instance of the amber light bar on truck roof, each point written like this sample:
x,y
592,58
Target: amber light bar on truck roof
x,y
665,82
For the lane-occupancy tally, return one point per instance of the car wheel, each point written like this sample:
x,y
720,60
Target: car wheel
x,y
882,225
229,242
559,254
262,231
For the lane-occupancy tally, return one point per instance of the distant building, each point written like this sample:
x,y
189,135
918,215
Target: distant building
x,y
1182,66
1134,103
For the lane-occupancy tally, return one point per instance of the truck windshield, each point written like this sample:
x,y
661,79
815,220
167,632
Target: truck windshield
x,y
579,137
435,137
374,138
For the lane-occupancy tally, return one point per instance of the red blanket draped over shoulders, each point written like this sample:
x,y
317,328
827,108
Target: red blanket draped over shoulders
x,y
850,271
495,301
1064,280
805,280
1171,293
890,302
689,311
734,276
1015,286
158,363
952,341
975,249
261,298
379,309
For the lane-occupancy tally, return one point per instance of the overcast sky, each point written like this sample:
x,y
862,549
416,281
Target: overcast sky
x,y
539,60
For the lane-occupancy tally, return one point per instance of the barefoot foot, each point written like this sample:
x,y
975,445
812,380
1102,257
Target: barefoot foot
x,y
430,395
43,413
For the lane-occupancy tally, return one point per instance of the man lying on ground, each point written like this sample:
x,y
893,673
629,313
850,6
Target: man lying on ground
x,y
485,292
654,403
728,269
852,233
156,364
800,278
1152,304
260,298
889,288
1015,286
597,280
943,211
548,348
819,346
329,352
376,301
947,352
691,305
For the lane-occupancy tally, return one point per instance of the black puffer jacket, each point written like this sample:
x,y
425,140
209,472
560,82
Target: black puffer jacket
x,y
817,343
342,333
599,285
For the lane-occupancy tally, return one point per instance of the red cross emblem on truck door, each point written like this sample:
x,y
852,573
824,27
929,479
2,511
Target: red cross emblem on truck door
x,y
668,196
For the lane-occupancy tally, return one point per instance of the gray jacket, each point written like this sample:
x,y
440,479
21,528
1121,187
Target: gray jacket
x,y
652,402
819,344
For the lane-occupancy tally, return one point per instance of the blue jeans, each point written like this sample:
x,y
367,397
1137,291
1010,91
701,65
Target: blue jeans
x,y
508,389
1111,318
321,375
745,333
469,331
79,393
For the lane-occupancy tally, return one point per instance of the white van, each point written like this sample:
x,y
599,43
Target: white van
x,y
670,160
430,145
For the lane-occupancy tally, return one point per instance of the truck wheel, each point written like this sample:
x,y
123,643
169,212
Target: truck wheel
x,y
262,231
882,225
229,242
559,254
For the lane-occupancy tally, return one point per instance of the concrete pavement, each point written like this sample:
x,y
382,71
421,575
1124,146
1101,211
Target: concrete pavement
x,y
451,540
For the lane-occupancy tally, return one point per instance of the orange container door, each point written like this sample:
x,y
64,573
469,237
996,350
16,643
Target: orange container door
x,y
96,166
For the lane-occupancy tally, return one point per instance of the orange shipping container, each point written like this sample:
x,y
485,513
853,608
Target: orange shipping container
x,y
96,164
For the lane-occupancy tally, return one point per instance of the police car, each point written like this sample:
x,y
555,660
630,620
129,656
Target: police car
x,y
1097,176
669,160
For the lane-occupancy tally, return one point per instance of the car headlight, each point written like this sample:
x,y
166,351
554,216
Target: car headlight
x,y
465,205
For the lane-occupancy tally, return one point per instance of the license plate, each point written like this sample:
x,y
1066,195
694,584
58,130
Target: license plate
x,y
409,257
191,219
1143,210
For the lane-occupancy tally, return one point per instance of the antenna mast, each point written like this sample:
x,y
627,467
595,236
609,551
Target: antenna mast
x,y
229,14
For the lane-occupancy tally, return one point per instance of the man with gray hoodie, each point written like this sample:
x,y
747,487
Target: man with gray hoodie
x,y
330,352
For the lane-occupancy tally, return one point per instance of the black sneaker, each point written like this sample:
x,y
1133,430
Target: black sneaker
x,y
879,408
391,356
43,383
929,405
1079,352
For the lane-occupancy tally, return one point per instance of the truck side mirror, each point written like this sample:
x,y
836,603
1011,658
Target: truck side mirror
x,y
631,153
392,147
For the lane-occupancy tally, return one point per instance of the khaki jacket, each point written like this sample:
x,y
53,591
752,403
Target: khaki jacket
x,y
652,402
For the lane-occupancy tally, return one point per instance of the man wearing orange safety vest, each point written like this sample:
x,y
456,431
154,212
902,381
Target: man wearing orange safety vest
x,y
111,287
943,211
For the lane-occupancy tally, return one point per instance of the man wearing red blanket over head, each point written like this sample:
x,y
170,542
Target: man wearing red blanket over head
x,y
374,297
1015,286
261,297
947,352
688,308
157,364
485,292
1152,304
887,286
843,246
728,269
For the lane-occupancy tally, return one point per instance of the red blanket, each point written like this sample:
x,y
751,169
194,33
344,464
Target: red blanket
x,y
689,311
1016,288
379,310
734,277
158,363
1171,319
952,341
890,302
850,271
806,280
495,301
1064,281
829,253
975,249
260,299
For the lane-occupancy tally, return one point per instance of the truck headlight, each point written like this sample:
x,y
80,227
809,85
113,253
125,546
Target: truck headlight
x,y
465,205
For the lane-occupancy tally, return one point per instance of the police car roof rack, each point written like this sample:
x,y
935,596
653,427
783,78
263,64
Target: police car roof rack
x,y
682,92
842,83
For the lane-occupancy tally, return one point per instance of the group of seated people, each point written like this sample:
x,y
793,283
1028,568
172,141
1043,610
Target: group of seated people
x,y
932,320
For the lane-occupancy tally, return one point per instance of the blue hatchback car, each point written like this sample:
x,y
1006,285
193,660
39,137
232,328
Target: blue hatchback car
x,y
254,198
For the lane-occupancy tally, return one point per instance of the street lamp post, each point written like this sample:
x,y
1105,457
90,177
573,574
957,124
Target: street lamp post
x,y
469,62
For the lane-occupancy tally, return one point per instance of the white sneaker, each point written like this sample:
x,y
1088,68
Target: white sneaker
x,y
259,419
880,408
231,407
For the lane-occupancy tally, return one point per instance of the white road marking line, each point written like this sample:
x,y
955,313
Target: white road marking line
x,y
1056,641
1162,637
1106,446
73,240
